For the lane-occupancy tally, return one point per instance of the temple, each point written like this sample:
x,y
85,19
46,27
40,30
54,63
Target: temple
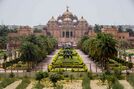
x,y
67,28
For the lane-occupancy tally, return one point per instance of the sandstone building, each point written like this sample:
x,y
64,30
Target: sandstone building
x,y
67,28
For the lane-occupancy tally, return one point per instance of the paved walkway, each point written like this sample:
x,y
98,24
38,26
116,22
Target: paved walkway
x,y
89,63
44,64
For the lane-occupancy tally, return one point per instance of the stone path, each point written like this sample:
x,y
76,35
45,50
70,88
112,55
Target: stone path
x,y
89,63
13,85
44,64
125,84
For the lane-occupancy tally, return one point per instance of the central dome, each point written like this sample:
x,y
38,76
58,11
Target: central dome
x,y
67,14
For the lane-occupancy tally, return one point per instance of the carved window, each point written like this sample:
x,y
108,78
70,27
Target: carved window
x,y
71,34
63,34
67,34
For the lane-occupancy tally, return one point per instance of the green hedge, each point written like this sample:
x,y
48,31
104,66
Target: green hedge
x,y
123,62
10,63
69,69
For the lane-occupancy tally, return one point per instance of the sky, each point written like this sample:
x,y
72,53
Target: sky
x,y
38,12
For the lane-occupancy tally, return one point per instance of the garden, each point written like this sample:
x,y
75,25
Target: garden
x,y
67,59
62,80
104,51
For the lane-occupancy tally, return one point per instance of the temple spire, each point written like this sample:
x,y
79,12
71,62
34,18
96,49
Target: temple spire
x,y
67,8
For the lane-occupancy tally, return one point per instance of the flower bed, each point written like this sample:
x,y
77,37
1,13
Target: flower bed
x,y
60,63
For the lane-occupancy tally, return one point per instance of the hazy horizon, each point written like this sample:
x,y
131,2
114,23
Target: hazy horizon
x,y
38,12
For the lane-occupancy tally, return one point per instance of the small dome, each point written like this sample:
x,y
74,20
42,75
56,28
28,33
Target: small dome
x,y
52,19
82,19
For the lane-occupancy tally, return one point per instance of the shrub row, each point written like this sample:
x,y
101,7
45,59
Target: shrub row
x,y
10,63
68,69
67,66
123,62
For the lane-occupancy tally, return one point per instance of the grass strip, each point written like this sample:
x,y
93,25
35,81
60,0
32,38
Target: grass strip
x,y
6,82
25,82
117,85
86,82
130,79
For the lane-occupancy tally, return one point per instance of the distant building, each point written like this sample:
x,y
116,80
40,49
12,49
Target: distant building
x,y
113,30
39,27
13,27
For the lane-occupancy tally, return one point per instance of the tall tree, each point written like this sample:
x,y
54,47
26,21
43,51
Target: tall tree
x,y
97,28
106,47
29,53
131,32
82,40
120,29
3,36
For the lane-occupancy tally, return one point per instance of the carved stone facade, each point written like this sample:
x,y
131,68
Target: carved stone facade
x,y
67,28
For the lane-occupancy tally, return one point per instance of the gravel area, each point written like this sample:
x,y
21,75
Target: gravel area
x,y
125,84
95,84
75,84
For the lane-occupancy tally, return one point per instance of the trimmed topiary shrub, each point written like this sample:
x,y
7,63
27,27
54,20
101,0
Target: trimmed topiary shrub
x,y
40,75
54,78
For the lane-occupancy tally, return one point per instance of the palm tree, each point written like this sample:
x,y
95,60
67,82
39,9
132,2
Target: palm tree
x,y
102,48
107,47
29,53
